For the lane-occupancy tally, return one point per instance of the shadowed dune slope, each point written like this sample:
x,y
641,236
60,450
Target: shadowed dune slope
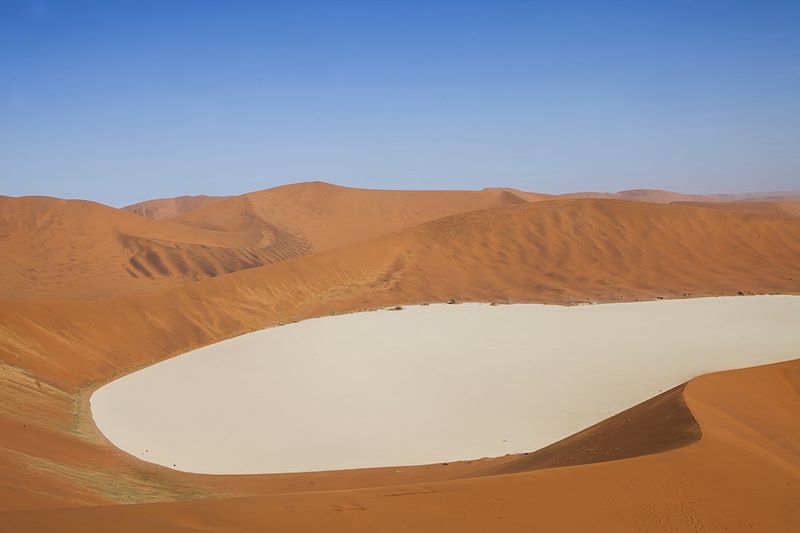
x,y
734,478
54,351
161,208
656,425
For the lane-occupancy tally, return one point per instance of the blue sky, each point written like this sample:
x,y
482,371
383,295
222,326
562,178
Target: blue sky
x,y
127,100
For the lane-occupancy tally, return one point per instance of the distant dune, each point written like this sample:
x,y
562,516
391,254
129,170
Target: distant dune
x,y
777,208
666,197
72,248
328,216
170,207
77,311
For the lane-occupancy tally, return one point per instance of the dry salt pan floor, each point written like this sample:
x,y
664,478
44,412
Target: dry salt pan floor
x,y
428,384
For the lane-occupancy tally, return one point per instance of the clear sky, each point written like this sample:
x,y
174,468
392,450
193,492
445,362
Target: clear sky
x,y
119,101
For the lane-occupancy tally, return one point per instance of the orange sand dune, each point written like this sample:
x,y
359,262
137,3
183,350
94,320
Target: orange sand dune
x,y
659,196
328,216
777,208
577,250
70,248
73,248
666,197
64,332
170,207
643,195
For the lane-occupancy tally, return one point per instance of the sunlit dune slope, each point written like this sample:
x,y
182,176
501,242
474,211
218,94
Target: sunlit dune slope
x,y
577,250
161,208
328,216
733,478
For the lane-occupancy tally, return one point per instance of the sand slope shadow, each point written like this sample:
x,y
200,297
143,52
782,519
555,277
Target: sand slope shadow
x,y
659,424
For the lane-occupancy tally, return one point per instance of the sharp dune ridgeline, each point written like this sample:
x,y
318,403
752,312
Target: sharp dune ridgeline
x,y
89,293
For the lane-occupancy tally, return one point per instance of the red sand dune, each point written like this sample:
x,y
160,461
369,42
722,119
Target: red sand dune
x,y
72,317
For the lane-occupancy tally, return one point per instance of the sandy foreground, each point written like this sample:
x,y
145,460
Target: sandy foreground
x,y
428,384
